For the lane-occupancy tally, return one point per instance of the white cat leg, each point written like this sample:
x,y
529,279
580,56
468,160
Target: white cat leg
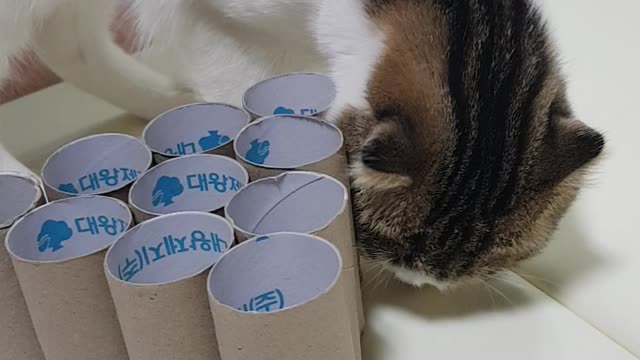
x,y
76,44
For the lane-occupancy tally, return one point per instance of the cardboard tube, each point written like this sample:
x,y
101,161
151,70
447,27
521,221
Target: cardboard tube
x,y
189,183
208,128
303,202
275,144
19,194
280,297
104,164
301,93
157,276
353,291
58,252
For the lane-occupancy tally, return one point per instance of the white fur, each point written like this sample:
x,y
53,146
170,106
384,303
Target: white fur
x,y
72,38
416,278
353,45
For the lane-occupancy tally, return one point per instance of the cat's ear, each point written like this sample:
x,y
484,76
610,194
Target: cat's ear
x,y
387,150
570,146
387,157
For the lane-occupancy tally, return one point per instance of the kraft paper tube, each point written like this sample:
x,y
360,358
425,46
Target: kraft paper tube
x,y
302,202
353,290
105,164
296,201
19,194
197,128
275,144
58,253
280,297
189,183
300,93
157,276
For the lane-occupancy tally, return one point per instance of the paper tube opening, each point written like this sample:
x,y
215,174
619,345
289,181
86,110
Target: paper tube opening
x,y
68,229
274,273
290,94
189,183
169,248
194,129
96,164
19,193
303,202
287,142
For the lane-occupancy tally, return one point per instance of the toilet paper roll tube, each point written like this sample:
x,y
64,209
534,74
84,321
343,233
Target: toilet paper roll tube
x,y
300,93
190,183
58,252
280,297
200,128
19,194
104,164
157,276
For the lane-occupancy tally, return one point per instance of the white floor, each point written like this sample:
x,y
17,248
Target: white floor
x,y
593,267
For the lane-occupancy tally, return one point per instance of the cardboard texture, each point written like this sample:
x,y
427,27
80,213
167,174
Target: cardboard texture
x,y
105,164
275,144
19,193
280,297
157,276
353,292
189,183
300,93
303,202
58,253
208,128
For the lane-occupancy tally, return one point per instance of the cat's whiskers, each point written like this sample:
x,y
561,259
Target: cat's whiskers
x,y
486,287
498,292
506,281
371,282
374,265
379,267
381,279
534,278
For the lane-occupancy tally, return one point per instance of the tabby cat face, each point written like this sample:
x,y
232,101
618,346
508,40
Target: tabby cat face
x,y
468,154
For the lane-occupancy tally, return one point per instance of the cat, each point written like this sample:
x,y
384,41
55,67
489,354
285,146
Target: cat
x,y
469,153
463,149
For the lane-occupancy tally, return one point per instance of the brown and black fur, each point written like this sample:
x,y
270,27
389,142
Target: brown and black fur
x,y
470,154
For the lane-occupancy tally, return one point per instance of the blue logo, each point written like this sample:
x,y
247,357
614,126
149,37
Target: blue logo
x,y
269,301
166,189
258,152
68,188
262,238
52,234
281,110
213,140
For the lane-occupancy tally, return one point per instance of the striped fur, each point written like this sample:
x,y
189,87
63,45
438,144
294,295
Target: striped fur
x,y
468,103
